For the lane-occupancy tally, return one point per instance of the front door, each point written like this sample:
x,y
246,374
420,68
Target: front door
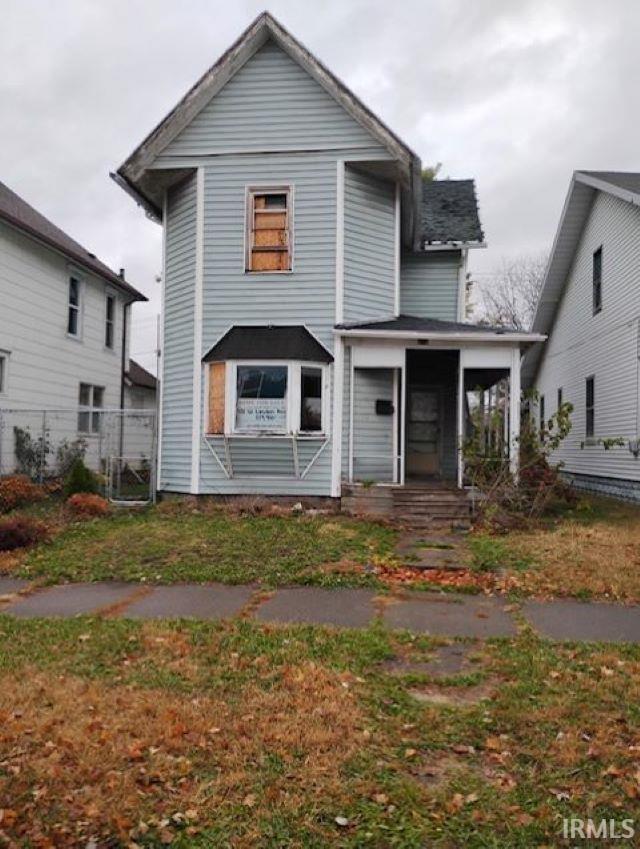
x,y
423,431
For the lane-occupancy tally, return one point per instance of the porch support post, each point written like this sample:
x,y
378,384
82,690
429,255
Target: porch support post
x,y
395,478
514,411
351,390
460,423
403,417
336,430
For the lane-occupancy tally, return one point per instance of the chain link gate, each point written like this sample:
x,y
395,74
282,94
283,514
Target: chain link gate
x,y
119,446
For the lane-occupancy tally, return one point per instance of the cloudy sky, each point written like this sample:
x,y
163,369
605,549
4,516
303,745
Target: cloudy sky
x,y
516,93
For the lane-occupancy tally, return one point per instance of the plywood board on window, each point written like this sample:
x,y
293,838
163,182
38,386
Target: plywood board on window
x,y
217,380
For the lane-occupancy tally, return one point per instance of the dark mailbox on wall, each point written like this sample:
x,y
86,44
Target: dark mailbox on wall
x,y
384,407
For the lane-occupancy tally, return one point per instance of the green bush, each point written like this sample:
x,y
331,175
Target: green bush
x,y
80,479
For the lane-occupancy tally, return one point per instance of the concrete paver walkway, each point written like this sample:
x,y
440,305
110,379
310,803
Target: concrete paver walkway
x,y
438,614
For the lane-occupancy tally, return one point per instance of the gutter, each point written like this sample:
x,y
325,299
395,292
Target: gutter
x,y
444,336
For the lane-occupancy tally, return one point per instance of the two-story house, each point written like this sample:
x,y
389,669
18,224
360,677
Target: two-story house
x,y
590,309
64,335
314,286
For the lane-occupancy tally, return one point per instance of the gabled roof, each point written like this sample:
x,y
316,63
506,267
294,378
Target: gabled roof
x,y
17,212
415,326
269,342
132,172
577,206
450,212
139,376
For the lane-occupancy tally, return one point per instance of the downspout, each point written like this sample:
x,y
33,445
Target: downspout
x,y
123,367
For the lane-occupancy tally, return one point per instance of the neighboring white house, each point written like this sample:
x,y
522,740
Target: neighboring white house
x,y
313,309
590,309
64,336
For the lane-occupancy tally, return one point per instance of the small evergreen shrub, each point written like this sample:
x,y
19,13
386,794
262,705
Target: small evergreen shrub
x,y
88,504
20,532
18,490
80,479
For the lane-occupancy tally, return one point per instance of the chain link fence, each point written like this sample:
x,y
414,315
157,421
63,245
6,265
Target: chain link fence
x,y
119,446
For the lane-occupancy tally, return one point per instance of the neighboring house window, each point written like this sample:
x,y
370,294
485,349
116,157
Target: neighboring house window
x,y
73,313
110,320
269,230
261,398
542,417
597,280
590,407
310,399
4,371
559,397
90,402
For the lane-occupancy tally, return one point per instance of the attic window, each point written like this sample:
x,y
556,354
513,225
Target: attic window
x,y
269,230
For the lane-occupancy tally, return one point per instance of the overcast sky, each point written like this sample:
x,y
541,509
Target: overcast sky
x,y
515,93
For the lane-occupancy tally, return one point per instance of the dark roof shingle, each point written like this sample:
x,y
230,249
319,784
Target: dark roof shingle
x,y
139,376
412,323
450,212
271,342
20,214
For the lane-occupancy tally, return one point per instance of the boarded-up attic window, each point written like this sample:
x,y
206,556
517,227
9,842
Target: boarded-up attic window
x,y
217,373
269,230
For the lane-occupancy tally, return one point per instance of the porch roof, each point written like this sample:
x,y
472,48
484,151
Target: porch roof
x,y
412,327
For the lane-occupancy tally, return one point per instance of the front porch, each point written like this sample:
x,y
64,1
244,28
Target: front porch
x,y
411,399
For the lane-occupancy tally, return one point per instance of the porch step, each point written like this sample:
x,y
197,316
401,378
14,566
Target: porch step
x,y
429,506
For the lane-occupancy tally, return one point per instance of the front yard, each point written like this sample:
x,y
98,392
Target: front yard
x,y
248,736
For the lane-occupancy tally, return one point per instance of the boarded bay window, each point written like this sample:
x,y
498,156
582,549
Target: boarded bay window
x,y
90,403
269,236
73,311
590,407
597,280
217,397
310,399
110,319
261,398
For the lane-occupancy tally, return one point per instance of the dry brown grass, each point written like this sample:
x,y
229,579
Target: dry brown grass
x,y
600,559
82,758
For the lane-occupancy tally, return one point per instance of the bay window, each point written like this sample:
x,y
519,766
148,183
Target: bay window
x,y
267,398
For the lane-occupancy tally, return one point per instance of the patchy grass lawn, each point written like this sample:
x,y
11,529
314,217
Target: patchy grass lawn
x,y
592,551
175,543
243,736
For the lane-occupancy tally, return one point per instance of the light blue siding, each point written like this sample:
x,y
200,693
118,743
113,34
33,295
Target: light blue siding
x,y
369,247
429,284
304,296
270,104
372,433
177,383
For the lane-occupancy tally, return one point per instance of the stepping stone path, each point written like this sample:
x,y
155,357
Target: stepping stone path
x,y
447,662
445,551
9,586
71,599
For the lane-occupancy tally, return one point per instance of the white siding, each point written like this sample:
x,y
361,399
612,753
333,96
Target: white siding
x,y
604,345
46,366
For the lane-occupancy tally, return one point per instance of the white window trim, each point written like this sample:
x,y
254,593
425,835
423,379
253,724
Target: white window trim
x,y
73,273
267,188
90,409
110,293
293,397
5,356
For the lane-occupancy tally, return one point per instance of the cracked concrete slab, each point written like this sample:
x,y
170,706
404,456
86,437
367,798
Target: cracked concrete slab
x,y
566,619
70,599
348,608
9,586
190,601
451,615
